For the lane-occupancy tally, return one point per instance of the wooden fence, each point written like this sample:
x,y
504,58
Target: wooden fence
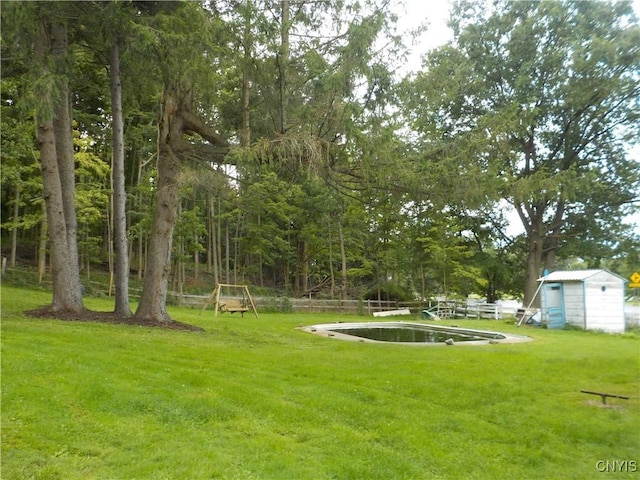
x,y
443,309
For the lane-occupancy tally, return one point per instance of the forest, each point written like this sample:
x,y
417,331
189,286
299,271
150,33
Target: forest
x,y
277,143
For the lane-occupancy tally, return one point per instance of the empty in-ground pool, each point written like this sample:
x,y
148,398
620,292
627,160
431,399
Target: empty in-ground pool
x,y
410,333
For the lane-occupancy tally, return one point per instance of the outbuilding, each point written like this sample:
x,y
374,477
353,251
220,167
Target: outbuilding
x,y
590,299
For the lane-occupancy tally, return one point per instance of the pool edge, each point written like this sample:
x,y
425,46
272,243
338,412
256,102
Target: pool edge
x,y
323,331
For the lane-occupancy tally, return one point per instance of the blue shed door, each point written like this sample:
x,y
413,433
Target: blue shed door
x,y
554,305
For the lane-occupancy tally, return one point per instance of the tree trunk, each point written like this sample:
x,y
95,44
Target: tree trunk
x,y
304,268
331,271
534,262
63,298
120,247
301,271
491,290
549,251
141,253
42,245
153,300
227,252
158,260
196,257
245,131
213,242
217,267
209,235
236,256
175,119
66,284
14,230
343,256
178,270
109,239
552,240
66,163
140,229
283,65
260,259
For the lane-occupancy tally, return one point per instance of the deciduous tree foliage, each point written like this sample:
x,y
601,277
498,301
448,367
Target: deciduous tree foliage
x,y
536,100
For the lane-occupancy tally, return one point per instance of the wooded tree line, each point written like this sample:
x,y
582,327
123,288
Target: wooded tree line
x,y
274,143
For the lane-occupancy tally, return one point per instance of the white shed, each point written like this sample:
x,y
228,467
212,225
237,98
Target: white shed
x,y
590,299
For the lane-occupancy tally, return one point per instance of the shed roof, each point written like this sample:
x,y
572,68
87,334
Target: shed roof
x,y
574,275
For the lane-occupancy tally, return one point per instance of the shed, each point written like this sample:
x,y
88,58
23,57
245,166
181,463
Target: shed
x,y
590,299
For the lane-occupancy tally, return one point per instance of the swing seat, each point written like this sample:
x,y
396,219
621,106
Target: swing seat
x,y
229,302
232,305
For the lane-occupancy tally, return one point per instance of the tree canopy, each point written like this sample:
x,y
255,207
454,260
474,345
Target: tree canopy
x,y
274,143
538,101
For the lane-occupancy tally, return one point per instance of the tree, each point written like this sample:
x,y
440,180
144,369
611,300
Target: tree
x,y
316,104
119,193
56,156
537,100
20,173
177,119
177,34
108,25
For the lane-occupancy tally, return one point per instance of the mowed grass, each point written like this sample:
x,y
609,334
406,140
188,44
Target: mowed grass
x,y
259,399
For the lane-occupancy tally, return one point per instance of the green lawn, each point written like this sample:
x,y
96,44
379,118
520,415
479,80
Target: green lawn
x,y
258,399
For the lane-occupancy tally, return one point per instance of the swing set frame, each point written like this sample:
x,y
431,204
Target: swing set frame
x,y
226,303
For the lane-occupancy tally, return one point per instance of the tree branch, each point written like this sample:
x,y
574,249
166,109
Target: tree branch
x,y
193,124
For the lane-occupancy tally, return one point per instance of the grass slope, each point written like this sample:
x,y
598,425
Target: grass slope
x,y
258,399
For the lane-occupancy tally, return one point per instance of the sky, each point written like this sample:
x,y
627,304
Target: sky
x,y
416,12
436,13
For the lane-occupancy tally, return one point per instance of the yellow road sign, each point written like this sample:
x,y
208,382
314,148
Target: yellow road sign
x,y
635,280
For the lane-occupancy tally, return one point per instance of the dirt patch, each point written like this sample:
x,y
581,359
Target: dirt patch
x,y
109,317
598,403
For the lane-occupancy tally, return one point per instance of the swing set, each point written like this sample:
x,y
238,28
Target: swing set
x,y
236,298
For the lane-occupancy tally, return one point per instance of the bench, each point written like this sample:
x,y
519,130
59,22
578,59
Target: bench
x,y
604,395
232,305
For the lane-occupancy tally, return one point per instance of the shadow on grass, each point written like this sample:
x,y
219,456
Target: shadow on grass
x,y
108,317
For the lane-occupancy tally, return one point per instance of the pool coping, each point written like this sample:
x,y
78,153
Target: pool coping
x,y
323,330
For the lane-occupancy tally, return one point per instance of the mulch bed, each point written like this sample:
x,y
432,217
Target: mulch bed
x,y
109,317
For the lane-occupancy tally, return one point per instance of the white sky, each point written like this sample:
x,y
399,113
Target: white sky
x,y
436,13
415,13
